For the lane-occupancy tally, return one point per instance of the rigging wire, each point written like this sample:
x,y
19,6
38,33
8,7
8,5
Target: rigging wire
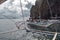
x,y
39,11
25,23
51,13
50,8
22,13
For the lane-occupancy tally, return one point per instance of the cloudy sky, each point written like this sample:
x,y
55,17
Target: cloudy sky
x,y
12,9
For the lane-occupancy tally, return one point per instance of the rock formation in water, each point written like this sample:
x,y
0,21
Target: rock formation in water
x,y
45,9
1,1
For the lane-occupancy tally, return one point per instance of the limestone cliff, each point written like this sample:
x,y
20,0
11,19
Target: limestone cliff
x,y
45,9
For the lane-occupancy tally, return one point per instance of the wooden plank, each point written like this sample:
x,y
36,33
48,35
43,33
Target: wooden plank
x,y
55,36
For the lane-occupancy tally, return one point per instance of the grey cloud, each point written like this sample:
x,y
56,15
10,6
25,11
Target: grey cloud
x,y
6,13
28,5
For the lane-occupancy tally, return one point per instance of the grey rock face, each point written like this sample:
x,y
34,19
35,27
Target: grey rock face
x,y
45,9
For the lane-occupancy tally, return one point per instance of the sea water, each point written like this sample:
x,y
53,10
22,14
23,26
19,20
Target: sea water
x,y
8,25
